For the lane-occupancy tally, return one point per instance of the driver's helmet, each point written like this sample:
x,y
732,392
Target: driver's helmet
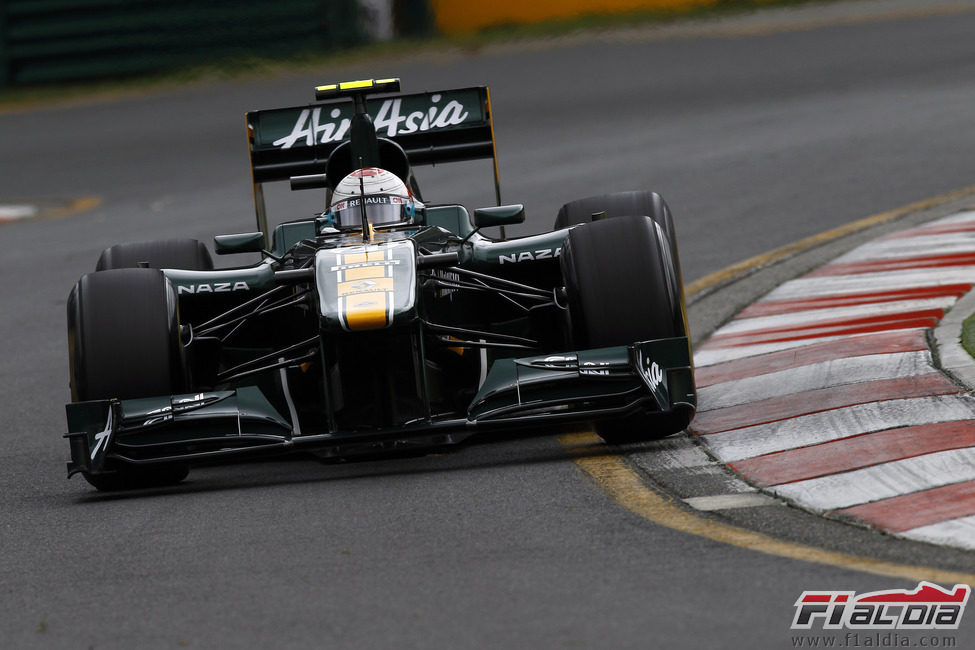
x,y
388,201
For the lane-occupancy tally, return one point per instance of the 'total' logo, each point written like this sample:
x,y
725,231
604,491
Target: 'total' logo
x,y
927,607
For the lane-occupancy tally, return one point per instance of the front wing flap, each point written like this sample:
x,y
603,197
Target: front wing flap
x,y
655,376
172,427
650,376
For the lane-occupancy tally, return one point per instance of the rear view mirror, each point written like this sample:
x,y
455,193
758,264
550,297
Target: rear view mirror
x,y
501,215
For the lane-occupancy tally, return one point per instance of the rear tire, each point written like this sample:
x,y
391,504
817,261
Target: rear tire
x,y
185,254
618,204
623,204
622,284
188,254
123,334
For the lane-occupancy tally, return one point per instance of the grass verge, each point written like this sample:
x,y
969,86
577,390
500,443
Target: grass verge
x,y
968,335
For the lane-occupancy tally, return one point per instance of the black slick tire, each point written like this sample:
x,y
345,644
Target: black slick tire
x,y
616,204
123,338
622,286
189,254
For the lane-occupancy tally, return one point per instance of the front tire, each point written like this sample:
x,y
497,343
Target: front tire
x,y
123,339
623,285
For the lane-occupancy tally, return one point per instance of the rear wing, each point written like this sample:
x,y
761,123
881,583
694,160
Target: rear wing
x,y
431,127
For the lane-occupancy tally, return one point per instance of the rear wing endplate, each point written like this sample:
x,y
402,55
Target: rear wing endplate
x,y
432,127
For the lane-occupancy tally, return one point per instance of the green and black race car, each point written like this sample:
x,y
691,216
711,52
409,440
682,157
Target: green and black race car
x,y
381,324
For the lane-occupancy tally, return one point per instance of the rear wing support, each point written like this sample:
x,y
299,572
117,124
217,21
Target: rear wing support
x,y
425,128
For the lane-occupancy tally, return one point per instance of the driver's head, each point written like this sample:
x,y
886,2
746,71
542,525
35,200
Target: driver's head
x,y
387,199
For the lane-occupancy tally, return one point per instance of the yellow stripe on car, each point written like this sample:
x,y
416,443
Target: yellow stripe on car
x,y
366,311
365,292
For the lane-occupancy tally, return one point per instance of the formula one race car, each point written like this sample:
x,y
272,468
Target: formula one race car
x,y
381,324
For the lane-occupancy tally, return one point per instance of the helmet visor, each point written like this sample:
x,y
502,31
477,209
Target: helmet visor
x,y
381,210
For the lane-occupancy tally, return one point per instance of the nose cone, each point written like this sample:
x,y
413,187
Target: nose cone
x,y
367,287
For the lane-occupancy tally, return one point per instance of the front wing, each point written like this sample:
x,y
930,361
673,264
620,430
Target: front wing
x,y
651,376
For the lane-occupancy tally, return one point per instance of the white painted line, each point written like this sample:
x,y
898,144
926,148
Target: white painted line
x,y
728,501
965,215
710,356
11,212
814,316
922,240
836,424
907,247
954,532
958,217
825,374
859,282
882,481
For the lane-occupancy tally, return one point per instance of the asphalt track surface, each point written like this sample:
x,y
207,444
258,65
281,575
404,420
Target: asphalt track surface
x,y
757,137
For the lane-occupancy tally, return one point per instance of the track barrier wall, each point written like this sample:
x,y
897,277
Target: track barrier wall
x,y
460,16
44,41
51,41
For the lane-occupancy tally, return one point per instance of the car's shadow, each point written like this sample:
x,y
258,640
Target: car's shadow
x,y
496,450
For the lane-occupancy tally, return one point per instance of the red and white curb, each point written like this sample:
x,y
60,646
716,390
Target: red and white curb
x,y
825,392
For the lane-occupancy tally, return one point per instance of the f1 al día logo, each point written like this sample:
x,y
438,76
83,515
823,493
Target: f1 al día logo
x,y
927,607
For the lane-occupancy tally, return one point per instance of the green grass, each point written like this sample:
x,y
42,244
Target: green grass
x,y
241,68
968,334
